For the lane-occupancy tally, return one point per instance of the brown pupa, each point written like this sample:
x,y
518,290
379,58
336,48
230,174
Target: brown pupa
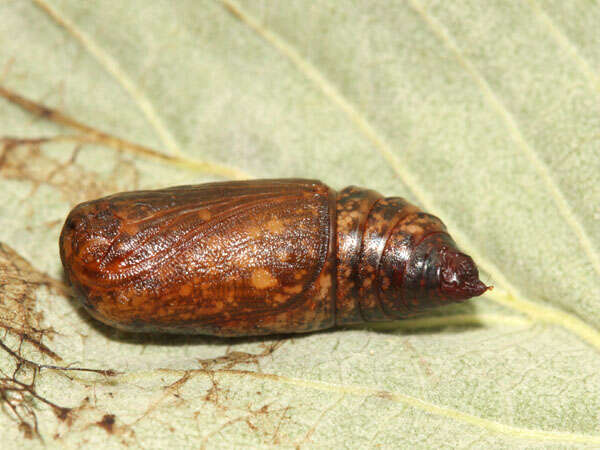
x,y
259,257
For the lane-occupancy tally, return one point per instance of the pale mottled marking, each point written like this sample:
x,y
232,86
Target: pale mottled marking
x,y
254,232
296,289
185,290
325,285
204,214
280,298
299,274
413,229
262,279
219,306
275,226
283,255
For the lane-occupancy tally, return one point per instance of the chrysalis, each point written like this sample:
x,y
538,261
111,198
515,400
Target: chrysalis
x,y
259,257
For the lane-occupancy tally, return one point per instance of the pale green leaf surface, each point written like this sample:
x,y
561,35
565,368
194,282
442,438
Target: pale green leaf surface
x,y
484,113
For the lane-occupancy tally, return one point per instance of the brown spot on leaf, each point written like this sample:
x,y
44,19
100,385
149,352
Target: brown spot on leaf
x,y
107,422
19,319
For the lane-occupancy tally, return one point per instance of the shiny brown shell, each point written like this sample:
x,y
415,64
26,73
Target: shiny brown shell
x,y
259,257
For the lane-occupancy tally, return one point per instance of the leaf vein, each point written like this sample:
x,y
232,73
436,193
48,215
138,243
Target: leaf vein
x,y
93,135
566,44
518,299
414,402
514,131
112,66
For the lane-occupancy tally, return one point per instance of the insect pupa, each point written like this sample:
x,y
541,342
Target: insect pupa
x,y
260,257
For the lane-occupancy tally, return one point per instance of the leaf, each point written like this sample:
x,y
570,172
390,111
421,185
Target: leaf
x,y
488,117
